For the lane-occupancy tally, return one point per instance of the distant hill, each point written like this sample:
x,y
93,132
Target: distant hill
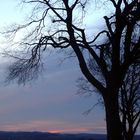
x,y
50,136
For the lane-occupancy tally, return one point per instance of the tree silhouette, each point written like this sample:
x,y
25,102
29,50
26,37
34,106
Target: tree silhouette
x,y
112,50
130,102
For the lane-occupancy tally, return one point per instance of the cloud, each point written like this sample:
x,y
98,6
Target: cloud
x,y
51,126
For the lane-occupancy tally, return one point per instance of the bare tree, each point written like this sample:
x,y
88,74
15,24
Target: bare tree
x,y
113,55
130,102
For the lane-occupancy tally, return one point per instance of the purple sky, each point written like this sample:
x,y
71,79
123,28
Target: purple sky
x,y
49,103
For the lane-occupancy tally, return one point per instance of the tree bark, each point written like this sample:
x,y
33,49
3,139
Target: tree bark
x,y
129,135
114,127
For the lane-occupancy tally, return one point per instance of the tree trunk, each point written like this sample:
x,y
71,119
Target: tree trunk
x,y
129,135
114,127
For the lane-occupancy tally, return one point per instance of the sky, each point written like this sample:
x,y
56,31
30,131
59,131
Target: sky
x,y
50,103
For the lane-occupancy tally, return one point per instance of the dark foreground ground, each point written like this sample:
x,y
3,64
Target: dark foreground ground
x,y
50,136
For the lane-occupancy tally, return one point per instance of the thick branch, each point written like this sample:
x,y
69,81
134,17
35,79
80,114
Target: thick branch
x,y
86,72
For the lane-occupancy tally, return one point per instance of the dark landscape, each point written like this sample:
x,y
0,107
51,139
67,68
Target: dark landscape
x,y
48,136
51,136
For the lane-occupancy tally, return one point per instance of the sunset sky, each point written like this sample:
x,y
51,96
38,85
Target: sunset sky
x,y
50,103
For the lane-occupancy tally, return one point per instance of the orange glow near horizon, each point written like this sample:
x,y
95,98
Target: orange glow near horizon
x,y
52,127
69,130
